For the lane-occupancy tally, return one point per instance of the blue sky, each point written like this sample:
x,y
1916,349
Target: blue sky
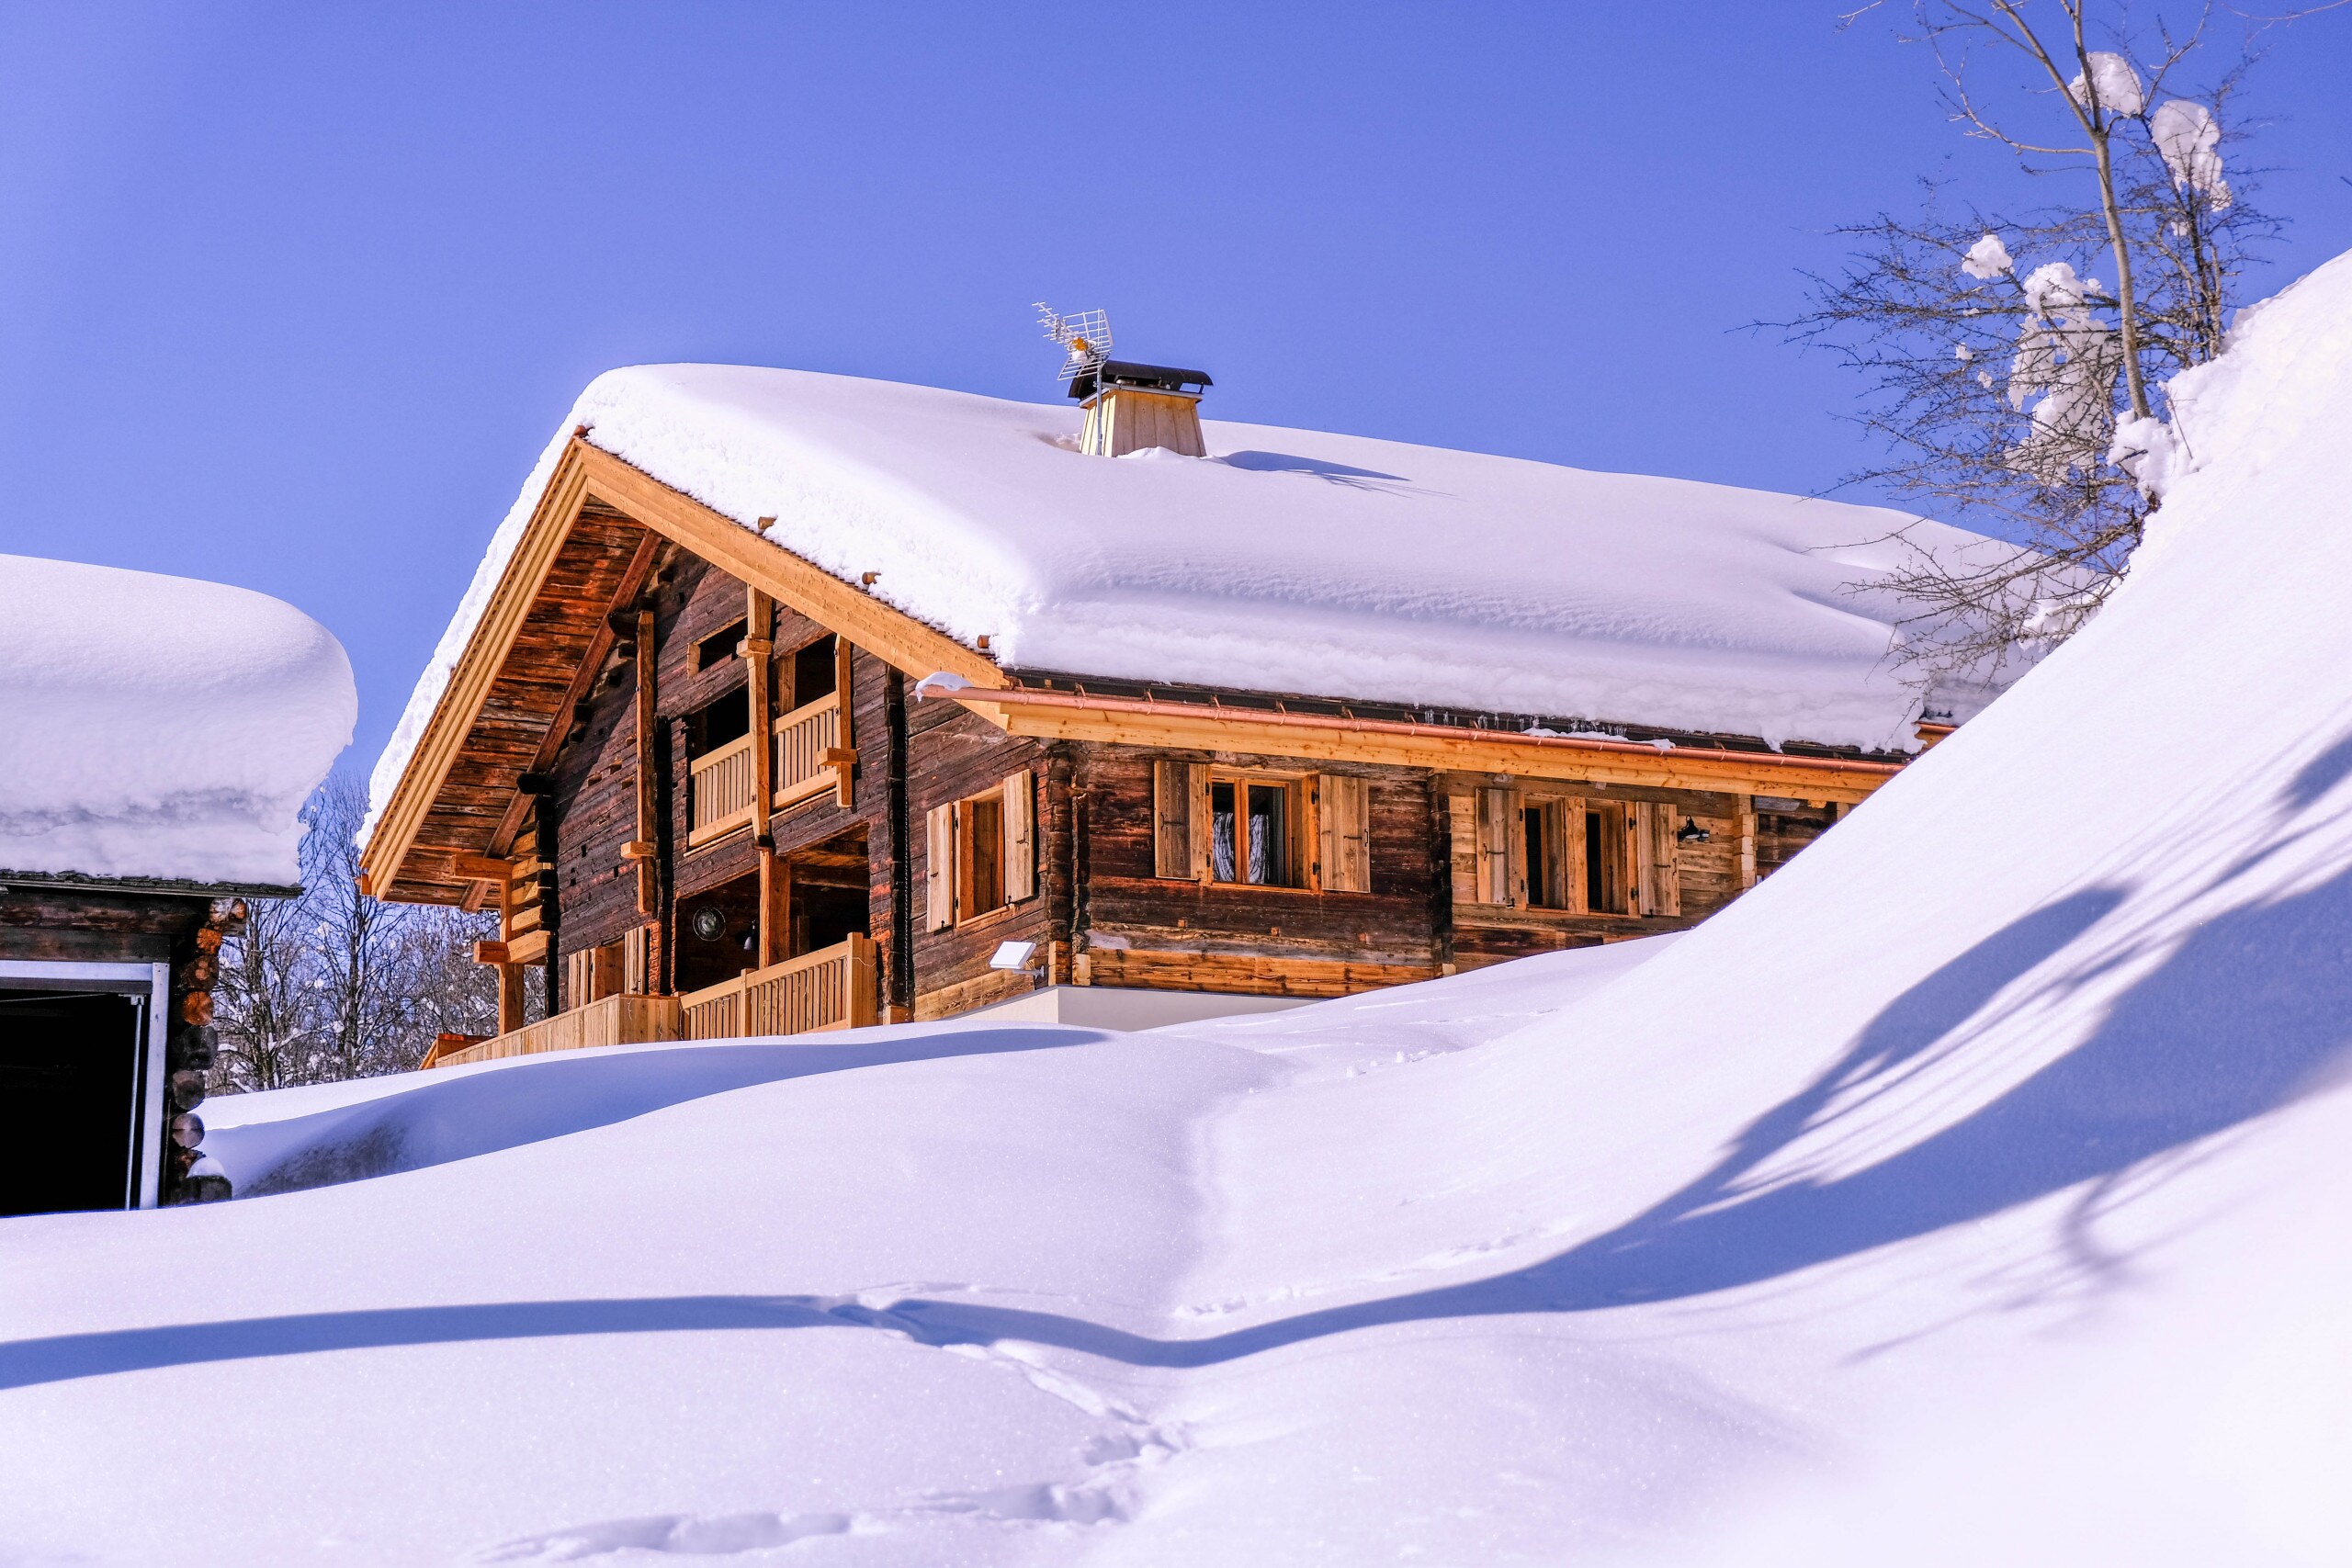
x,y
291,295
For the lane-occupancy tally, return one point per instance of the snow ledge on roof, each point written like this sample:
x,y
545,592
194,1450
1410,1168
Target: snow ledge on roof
x,y
160,728
1288,560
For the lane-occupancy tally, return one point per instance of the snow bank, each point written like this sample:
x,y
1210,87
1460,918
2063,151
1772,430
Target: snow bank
x,y
1291,560
1971,1191
158,727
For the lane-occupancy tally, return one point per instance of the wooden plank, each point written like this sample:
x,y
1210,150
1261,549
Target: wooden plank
x,y
1188,726
1020,837
1171,806
1238,974
939,867
1343,832
1462,822
1497,874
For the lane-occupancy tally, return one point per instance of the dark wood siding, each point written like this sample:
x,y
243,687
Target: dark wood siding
x,y
1128,903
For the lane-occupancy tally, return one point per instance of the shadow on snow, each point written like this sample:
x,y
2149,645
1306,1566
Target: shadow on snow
x,y
2251,1010
481,1113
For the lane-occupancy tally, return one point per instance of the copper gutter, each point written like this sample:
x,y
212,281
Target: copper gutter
x,y
1016,697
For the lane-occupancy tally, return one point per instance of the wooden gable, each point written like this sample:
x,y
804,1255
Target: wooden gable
x,y
542,640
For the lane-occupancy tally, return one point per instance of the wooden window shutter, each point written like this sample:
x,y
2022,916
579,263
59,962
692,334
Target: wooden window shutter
x,y
1657,882
1020,837
939,868
1498,819
1461,828
1180,836
1571,854
1344,833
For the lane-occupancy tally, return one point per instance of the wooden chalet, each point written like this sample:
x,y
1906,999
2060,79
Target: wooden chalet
x,y
713,788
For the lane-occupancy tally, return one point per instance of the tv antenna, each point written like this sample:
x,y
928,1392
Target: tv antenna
x,y
1085,338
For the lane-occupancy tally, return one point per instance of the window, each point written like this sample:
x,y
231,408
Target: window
x,y
1259,830
718,647
717,723
1526,847
1545,853
1251,832
811,674
980,853
1607,887
979,856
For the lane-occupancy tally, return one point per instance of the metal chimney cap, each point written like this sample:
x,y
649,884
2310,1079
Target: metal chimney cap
x,y
1112,374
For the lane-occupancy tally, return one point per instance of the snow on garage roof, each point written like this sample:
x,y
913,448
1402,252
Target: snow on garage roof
x,y
1288,560
158,727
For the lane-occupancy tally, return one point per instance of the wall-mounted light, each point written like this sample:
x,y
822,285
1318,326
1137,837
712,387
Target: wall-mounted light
x,y
1012,954
1691,832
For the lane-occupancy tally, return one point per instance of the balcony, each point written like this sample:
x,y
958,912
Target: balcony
x,y
807,748
833,987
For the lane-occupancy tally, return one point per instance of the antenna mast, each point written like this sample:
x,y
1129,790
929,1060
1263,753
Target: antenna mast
x,y
1085,338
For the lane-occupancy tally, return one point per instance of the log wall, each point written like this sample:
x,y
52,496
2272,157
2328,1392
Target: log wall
x,y
183,930
1100,914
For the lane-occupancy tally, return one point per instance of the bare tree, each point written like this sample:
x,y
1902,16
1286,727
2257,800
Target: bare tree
x,y
335,985
2012,386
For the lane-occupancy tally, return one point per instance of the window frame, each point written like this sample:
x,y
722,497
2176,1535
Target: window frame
x,y
1016,834
969,862
1299,827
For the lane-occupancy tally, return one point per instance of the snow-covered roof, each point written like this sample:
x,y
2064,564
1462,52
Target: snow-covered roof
x,y
1288,560
158,726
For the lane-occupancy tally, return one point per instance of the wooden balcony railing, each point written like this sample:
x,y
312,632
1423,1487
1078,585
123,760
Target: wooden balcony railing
x,y
802,738
831,988
722,782
624,1020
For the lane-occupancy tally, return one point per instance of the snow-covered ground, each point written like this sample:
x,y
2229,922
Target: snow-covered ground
x,y
160,727
1974,1191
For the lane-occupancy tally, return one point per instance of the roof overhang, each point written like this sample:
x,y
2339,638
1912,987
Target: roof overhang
x,y
584,477
1068,716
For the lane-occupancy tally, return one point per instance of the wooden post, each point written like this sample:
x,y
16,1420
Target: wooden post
x,y
1747,842
510,997
648,872
758,644
845,741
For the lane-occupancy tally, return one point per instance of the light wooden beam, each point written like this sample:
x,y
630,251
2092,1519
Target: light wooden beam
x,y
469,682
1189,726
845,609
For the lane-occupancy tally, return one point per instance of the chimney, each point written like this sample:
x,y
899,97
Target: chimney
x,y
1130,406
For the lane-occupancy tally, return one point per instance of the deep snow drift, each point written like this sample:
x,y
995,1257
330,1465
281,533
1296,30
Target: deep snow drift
x,y
160,727
1289,560
1972,1192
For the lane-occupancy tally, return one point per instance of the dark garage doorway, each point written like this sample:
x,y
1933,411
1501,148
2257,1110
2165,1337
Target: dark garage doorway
x,y
69,1075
